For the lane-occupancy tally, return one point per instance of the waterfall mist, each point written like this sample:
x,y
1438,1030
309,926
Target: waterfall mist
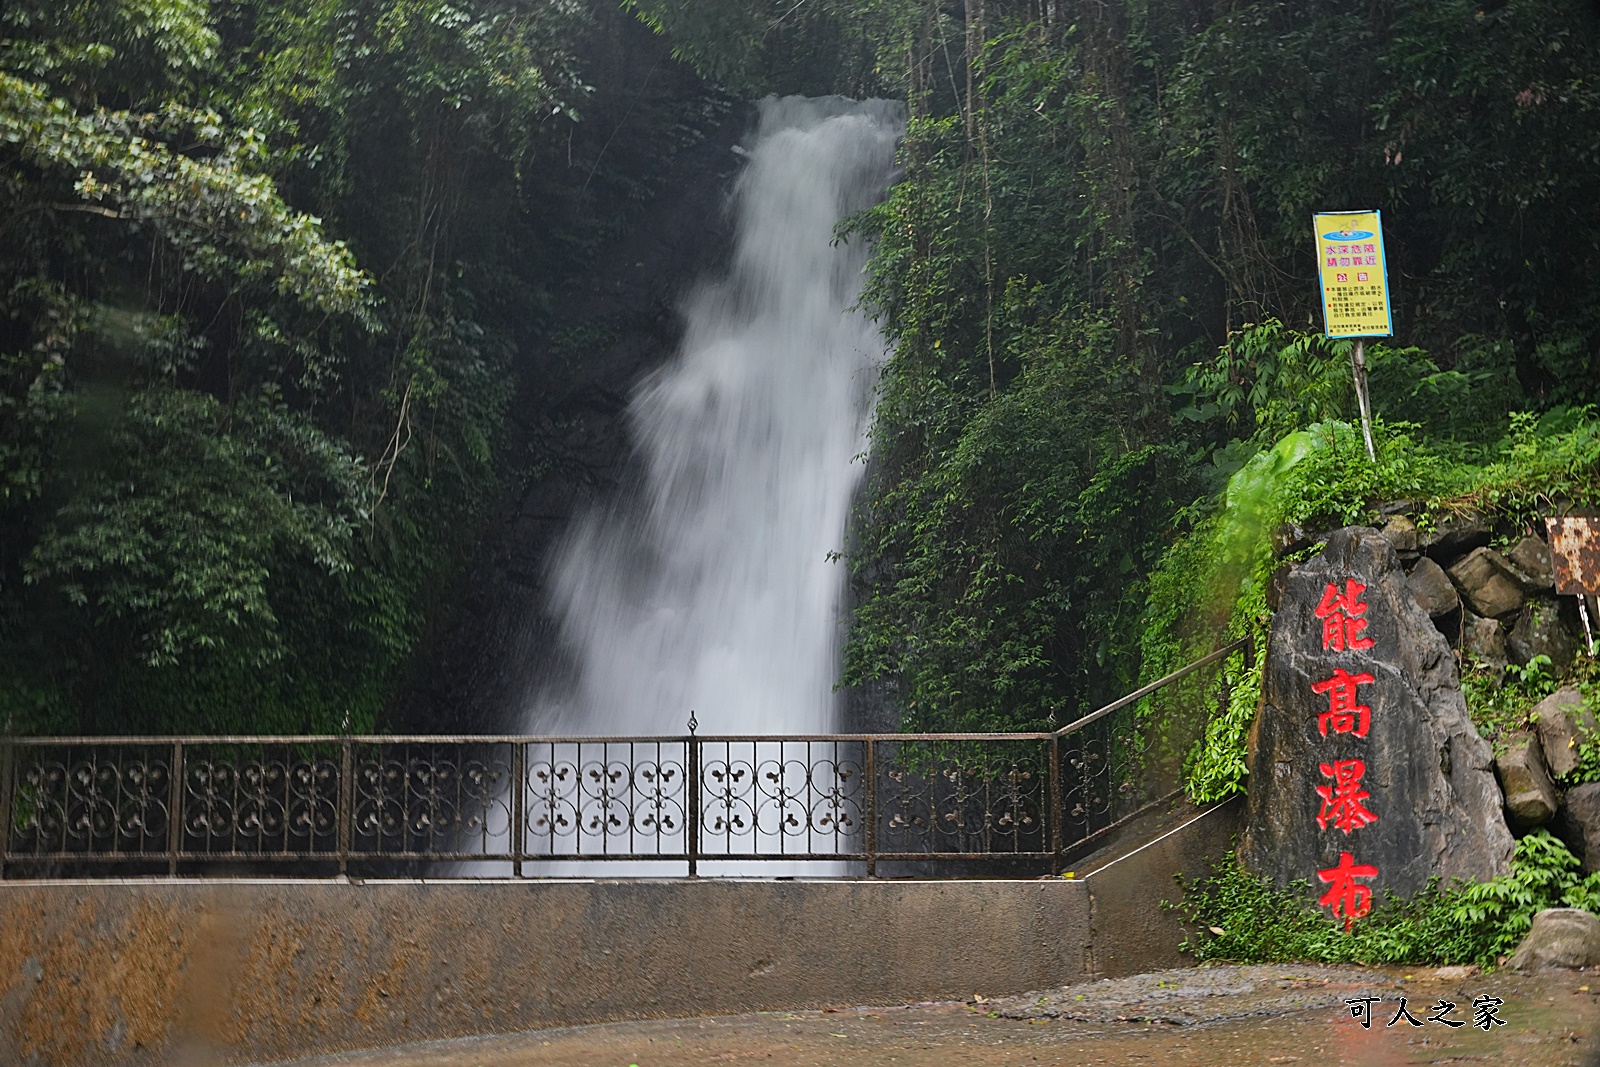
x,y
709,585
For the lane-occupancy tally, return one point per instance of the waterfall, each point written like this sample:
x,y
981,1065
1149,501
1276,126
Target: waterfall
x,y
710,585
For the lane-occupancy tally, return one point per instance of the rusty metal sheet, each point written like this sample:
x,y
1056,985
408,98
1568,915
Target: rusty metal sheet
x,y
1575,551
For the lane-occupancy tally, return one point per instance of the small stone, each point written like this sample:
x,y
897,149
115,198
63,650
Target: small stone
x,y
1454,537
1559,938
1455,973
1541,631
1579,823
1401,532
1485,639
1431,589
1532,557
1562,719
1488,583
1530,795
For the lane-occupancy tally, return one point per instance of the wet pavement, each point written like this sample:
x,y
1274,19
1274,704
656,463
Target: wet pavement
x,y
1222,1016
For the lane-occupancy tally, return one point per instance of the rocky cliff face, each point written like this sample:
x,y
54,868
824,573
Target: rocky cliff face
x,y
1366,773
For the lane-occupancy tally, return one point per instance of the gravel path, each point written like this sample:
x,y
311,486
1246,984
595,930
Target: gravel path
x,y
1221,1016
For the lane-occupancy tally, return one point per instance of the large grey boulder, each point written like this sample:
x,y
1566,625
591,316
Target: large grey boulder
x,y
1542,630
1488,583
1559,938
1562,720
1579,823
1531,556
1531,798
1432,589
1427,776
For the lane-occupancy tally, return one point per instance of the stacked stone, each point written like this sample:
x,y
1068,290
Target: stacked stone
x,y
1532,764
1500,606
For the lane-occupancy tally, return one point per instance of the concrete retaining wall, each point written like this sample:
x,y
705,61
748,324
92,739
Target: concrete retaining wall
x,y
150,972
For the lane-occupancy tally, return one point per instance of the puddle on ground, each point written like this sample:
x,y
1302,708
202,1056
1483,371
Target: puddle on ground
x,y
1225,1016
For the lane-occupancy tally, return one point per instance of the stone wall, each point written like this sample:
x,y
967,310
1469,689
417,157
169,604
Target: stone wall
x,y
151,972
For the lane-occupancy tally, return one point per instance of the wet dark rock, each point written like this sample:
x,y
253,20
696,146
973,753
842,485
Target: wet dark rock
x,y
1485,639
1541,630
1397,507
1559,938
1531,798
1531,556
1279,582
1428,774
1291,537
1578,824
1432,589
1455,536
1562,719
1401,532
1488,583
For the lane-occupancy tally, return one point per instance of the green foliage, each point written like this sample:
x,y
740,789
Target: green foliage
x,y
188,491
1501,700
272,275
1332,484
1246,919
1098,196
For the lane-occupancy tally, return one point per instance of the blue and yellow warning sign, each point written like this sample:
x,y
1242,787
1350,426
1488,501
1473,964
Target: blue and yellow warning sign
x,y
1355,281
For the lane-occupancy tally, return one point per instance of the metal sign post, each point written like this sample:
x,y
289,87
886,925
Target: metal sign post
x,y
1355,292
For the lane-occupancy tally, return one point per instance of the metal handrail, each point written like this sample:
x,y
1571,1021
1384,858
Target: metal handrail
x,y
1246,643
367,799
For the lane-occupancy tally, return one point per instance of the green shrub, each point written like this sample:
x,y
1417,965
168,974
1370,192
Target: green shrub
x,y
1245,919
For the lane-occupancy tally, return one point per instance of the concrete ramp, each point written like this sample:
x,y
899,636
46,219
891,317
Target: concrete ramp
x,y
153,972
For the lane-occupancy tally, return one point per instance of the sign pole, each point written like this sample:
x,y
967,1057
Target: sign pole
x,y
1353,274
1358,367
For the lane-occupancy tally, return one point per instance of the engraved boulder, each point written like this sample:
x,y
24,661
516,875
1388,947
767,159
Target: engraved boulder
x,y
1366,773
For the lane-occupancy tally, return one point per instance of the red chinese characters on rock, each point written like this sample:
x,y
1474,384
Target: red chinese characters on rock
x,y
1341,801
1344,623
1346,897
1344,714
1342,616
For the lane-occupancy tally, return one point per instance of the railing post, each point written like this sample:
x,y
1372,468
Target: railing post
x,y
1057,806
175,809
8,761
346,802
519,805
691,832
872,808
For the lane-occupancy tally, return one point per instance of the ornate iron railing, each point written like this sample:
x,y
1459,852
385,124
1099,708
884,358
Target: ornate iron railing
x,y
526,805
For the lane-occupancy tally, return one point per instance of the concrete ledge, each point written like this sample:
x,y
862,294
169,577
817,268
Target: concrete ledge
x,y
1130,932
146,972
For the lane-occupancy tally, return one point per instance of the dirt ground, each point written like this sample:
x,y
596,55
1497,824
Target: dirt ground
x,y
1223,1016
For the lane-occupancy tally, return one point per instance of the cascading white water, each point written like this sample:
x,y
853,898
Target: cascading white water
x,y
712,588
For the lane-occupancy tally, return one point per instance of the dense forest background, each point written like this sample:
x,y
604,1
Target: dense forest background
x,y
273,274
